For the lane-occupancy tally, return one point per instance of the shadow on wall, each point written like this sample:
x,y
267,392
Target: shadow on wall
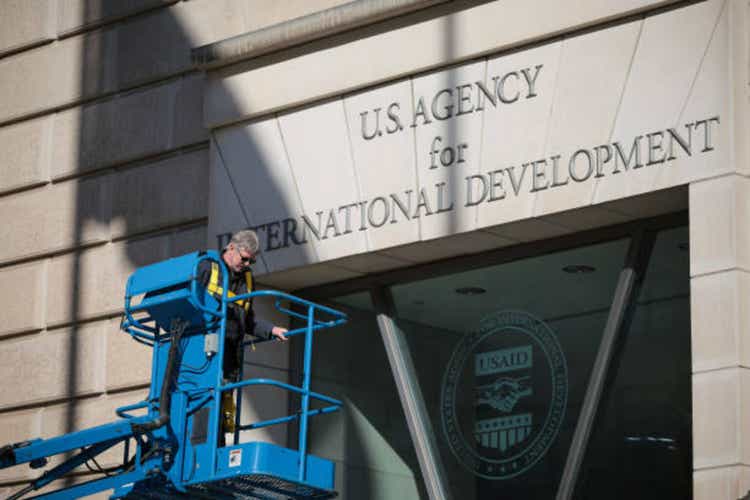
x,y
144,174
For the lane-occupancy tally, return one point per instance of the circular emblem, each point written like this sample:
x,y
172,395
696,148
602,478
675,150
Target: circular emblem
x,y
504,395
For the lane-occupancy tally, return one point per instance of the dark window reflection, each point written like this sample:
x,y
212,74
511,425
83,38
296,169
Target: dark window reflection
x,y
503,356
641,442
504,371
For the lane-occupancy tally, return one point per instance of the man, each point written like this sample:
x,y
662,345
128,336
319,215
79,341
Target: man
x,y
238,255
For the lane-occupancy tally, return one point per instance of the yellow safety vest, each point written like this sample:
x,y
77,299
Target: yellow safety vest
x,y
216,290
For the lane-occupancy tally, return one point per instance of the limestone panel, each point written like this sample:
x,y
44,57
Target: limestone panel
x,y
372,483
188,114
529,230
584,113
301,277
225,213
74,15
273,354
719,236
160,194
383,150
128,361
450,246
53,365
94,280
587,218
208,21
720,321
113,131
64,215
15,427
722,483
87,413
514,133
137,61
317,144
669,58
654,203
175,30
82,65
22,296
25,22
369,263
188,240
739,25
361,434
26,151
260,403
186,25
709,99
420,46
721,406
256,164
448,129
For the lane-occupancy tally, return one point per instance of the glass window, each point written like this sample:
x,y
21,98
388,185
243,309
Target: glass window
x,y
503,356
640,446
369,438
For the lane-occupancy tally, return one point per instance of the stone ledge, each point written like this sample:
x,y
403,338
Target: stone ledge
x,y
721,408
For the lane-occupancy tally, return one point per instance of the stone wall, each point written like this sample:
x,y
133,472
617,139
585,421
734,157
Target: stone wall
x,y
104,169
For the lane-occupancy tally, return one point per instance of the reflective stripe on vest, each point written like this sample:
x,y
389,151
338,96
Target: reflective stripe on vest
x,y
216,290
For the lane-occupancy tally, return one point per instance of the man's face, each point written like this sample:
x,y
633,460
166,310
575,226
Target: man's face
x,y
237,259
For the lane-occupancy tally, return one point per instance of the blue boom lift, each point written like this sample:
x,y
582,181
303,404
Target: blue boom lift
x,y
177,447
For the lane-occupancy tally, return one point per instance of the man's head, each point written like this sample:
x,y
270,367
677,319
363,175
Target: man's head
x,y
241,250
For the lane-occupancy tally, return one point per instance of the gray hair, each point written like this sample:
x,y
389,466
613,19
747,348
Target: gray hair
x,y
246,240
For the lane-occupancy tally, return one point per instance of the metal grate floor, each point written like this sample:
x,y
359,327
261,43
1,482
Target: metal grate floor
x,y
255,486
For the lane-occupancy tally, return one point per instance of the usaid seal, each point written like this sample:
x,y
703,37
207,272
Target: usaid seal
x,y
504,395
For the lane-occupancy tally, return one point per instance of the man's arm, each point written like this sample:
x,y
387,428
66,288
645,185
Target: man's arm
x,y
267,330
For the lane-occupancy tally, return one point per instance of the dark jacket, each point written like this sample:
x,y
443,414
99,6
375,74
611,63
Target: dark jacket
x,y
239,321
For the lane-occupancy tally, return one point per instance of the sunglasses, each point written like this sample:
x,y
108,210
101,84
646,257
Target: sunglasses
x,y
246,260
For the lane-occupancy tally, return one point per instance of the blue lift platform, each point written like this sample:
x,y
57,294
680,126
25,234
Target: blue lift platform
x,y
178,451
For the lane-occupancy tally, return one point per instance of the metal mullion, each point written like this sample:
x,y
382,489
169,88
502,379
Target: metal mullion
x,y
620,314
412,401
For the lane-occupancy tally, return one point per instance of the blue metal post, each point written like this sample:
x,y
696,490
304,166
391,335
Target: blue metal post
x,y
213,431
305,395
238,411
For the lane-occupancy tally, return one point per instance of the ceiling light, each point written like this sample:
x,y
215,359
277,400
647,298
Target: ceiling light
x,y
579,269
470,290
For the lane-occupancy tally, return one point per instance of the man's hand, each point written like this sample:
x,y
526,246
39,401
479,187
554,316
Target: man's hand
x,y
279,332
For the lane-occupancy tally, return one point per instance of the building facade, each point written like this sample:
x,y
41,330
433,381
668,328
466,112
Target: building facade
x,y
534,214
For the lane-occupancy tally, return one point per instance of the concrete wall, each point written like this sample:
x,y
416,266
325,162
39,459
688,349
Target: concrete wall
x,y
104,168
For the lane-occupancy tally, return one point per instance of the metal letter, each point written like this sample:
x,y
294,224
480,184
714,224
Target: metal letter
x,y
572,163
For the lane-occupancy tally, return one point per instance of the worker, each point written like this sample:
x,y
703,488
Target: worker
x,y
238,255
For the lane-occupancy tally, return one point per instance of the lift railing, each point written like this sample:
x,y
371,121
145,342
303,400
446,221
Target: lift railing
x,y
313,323
316,317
